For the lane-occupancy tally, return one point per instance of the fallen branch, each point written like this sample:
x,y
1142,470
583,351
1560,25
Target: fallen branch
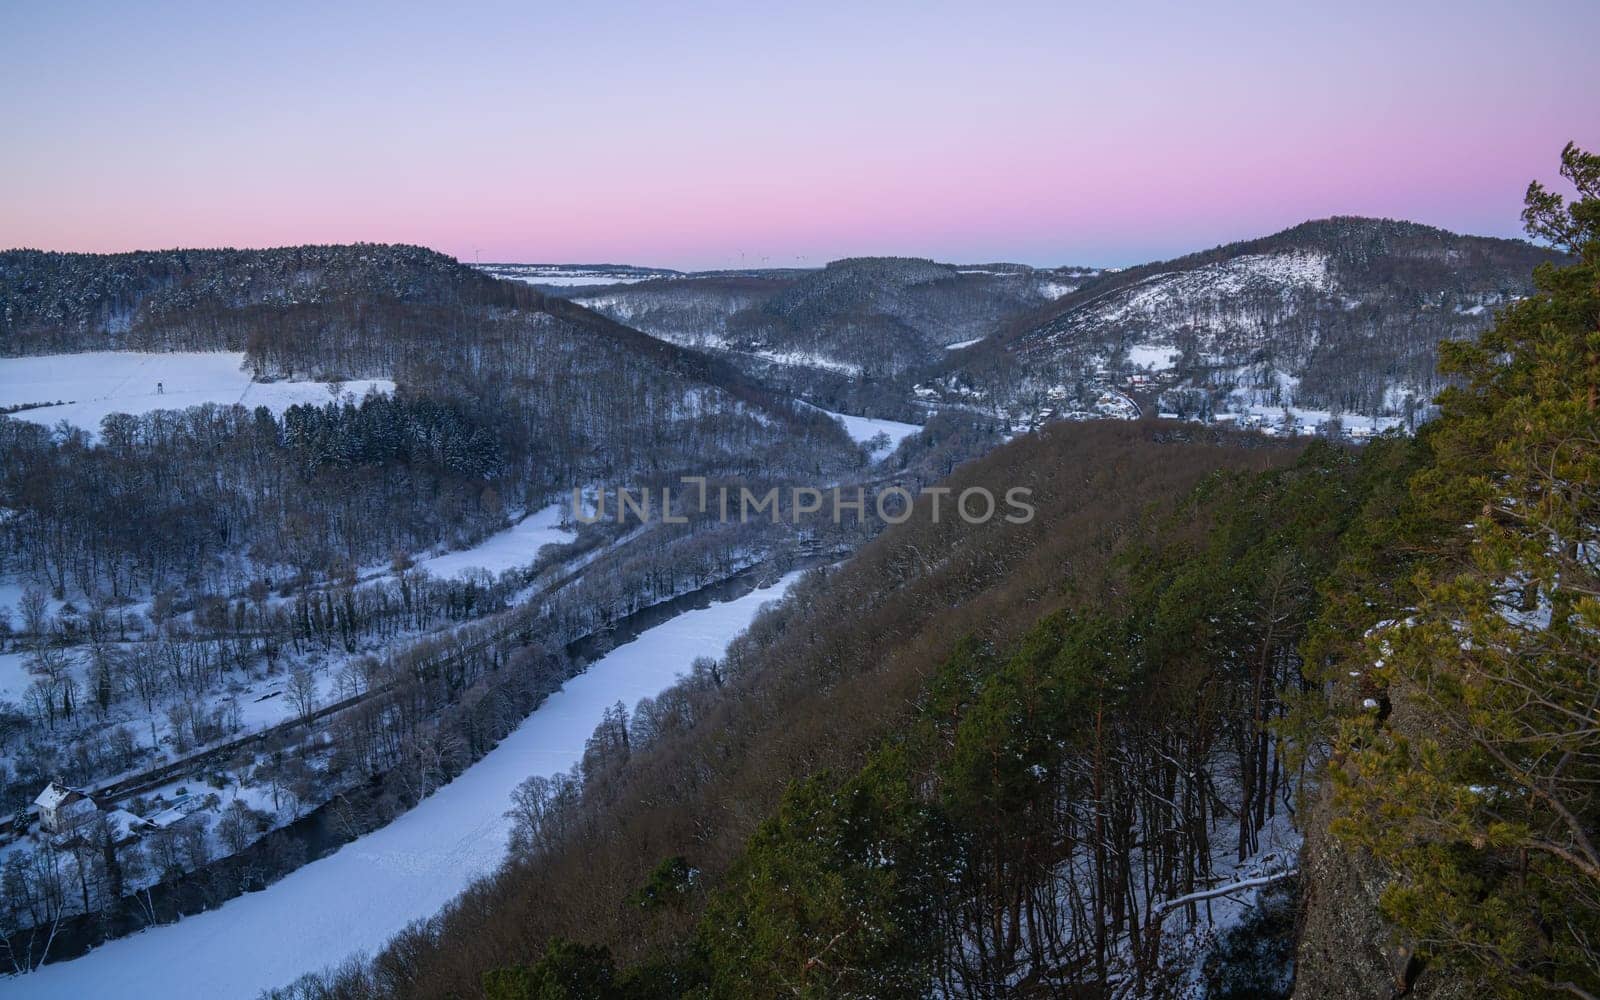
x,y
1222,890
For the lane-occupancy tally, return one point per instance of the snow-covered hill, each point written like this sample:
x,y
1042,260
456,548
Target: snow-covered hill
x,y
1339,317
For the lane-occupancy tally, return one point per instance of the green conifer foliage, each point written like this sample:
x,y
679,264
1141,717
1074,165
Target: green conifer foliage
x,y
1482,791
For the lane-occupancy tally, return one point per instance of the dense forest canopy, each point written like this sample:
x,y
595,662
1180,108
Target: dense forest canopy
x,y
1026,765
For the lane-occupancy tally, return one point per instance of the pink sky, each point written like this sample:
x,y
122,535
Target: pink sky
x,y
681,136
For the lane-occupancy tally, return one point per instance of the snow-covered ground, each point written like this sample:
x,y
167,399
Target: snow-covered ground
x,y
1234,893
14,677
864,429
1155,357
516,546
1208,298
357,898
95,384
1270,417
573,276
809,359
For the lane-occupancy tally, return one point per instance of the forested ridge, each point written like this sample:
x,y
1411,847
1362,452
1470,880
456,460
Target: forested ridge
x,y
847,335
506,398
1342,315
179,578
983,763
839,667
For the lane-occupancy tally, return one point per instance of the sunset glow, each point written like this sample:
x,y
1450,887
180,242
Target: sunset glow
x,y
699,136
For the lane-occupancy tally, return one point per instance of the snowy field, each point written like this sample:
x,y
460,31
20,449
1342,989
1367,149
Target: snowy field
x,y
575,280
514,547
359,897
864,429
98,383
573,276
1155,357
808,359
14,677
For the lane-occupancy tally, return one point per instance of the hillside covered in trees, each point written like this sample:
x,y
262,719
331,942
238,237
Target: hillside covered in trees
x,y
505,399
1044,761
1333,320
1340,316
255,598
846,335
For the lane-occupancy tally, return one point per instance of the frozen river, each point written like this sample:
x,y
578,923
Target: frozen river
x,y
357,898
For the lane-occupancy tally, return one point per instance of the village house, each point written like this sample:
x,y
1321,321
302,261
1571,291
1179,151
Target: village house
x,y
60,807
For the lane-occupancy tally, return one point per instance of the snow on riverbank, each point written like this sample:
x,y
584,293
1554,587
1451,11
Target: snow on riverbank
x,y
98,383
357,898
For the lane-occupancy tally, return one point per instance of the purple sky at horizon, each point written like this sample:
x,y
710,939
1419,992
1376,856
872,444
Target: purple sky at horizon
x,y
691,136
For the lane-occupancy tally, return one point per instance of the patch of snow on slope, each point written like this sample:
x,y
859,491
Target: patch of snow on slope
x,y
863,430
963,343
615,306
1201,295
360,896
516,546
14,676
1186,943
569,276
1155,357
93,385
806,359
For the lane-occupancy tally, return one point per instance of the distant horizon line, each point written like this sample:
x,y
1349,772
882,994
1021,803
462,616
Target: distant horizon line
x,y
739,268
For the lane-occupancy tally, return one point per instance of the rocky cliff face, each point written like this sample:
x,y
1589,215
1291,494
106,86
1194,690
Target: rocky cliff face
x,y
1347,950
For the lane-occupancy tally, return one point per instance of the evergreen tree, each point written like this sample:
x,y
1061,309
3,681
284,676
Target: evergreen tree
x,y
1482,791
831,899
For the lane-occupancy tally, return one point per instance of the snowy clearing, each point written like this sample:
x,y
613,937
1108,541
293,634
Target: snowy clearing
x,y
808,359
963,343
864,429
357,898
514,547
1155,357
573,276
98,383
14,677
